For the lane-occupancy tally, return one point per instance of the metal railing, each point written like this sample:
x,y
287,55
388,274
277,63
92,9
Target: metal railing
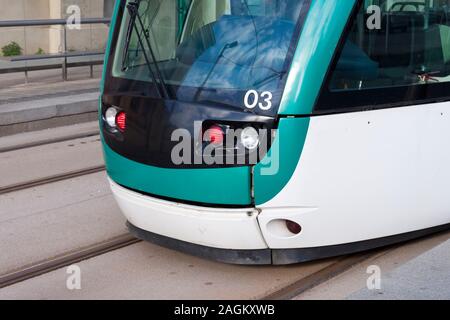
x,y
65,54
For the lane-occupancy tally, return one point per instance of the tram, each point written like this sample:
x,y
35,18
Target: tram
x,y
278,131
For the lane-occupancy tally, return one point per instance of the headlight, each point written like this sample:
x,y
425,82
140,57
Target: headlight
x,y
110,117
250,138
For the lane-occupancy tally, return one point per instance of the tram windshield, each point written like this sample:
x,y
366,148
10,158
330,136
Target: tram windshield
x,y
206,50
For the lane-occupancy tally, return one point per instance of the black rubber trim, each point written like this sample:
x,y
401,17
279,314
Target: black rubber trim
x,y
243,257
290,256
277,256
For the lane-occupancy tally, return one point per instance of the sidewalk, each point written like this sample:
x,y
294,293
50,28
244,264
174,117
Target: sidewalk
x,y
47,101
44,83
425,277
418,269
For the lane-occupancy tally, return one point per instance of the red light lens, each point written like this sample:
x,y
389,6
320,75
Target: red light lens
x,y
293,227
215,135
121,121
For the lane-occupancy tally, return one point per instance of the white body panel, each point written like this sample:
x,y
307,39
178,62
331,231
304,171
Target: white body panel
x,y
366,175
217,228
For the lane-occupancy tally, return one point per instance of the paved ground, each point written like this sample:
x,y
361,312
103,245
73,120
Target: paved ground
x,y
47,101
52,219
146,271
46,221
425,277
412,255
47,135
48,160
46,84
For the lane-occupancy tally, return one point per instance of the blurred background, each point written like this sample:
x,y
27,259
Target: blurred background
x,y
50,39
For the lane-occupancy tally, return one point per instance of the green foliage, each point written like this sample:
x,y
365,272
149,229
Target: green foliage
x,y
12,49
40,51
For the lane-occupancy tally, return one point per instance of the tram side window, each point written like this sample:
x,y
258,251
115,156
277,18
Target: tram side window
x,y
403,51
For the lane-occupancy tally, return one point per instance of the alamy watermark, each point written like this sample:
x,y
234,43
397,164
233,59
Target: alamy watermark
x,y
374,280
74,18
225,145
374,20
73,281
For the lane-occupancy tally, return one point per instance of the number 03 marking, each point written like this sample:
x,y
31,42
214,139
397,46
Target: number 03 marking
x,y
252,99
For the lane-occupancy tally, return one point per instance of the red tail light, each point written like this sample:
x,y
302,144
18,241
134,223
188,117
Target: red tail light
x,y
215,135
121,121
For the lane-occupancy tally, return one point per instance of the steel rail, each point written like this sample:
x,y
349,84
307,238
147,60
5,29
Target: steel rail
x,y
43,142
313,280
50,179
65,260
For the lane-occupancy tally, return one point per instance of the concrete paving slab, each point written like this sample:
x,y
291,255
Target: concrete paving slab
x,y
146,271
48,160
33,100
355,279
25,139
426,277
28,111
12,88
53,219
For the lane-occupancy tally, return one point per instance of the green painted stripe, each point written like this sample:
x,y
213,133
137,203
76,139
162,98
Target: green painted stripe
x,y
271,178
323,28
229,186
108,46
321,33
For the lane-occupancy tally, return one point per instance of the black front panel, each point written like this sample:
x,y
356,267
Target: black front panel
x,y
151,123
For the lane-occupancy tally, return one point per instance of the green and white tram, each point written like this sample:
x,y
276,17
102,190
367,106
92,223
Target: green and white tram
x,y
278,131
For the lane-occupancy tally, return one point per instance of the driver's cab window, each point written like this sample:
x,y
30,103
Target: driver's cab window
x,y
207,12
160,16
407,44
159,21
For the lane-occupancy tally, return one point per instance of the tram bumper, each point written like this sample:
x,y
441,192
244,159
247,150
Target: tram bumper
x,y
225,235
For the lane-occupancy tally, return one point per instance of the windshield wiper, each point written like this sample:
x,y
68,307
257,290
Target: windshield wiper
x,y
127,42
275,74
133,9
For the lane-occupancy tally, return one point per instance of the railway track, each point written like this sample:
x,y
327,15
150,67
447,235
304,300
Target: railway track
x,y
48,265
122,241
42,142
66,259
287,292
76,256
50,179
319,277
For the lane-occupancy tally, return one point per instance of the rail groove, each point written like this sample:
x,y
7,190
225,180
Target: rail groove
x,y
302,285
50,179
67,259
43,142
